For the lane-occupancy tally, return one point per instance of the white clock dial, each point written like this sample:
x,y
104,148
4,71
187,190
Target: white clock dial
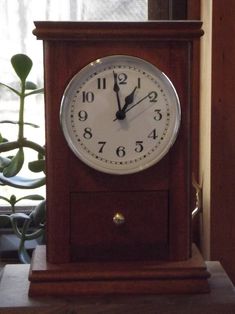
x,y
120,114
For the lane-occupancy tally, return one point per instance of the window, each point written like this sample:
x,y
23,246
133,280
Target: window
x,y
16,25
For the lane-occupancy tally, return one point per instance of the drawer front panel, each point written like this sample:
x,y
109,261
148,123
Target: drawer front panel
x,y
120,225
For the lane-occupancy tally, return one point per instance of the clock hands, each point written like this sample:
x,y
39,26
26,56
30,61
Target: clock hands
x,y
125,107
121,113
129,99
116,90
137,103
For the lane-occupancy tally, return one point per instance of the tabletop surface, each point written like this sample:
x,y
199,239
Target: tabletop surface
x,y
14,298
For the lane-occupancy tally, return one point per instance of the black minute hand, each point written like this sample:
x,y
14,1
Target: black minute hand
x,y
116,89
137,103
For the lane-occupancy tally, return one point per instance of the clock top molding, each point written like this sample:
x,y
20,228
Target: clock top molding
x,y
148,30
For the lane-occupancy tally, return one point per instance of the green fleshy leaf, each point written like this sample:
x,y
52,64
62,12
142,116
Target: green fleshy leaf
x,y
4,162
36,91
13,199
39,213
5,199
30,85
22,65
3,139
9,121
10,88
17,122
37,165
22,183
17,216
40,156
32,124
15,165
32,197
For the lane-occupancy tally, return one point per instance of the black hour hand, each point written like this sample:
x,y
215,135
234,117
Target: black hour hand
x,y
121,114
129,99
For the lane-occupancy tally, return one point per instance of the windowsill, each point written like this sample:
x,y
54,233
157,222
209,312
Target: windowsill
x,y
9,244
6,210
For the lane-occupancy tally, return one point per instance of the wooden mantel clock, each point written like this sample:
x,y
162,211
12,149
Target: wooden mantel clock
x,y
121,114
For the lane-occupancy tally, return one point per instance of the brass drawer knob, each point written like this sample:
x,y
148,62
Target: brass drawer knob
x,y
118,219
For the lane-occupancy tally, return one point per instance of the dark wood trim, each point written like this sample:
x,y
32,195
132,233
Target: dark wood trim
x,y
194,9
178,9
167,10
158,10
46,279
178,30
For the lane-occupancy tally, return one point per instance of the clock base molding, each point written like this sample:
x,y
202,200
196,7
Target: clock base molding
x,y
190,276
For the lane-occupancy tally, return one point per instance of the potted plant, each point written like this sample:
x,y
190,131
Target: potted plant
x,y
12,161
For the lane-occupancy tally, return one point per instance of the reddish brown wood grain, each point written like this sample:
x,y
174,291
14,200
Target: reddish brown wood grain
x,y
143,235
67,48
222,136
134,31
143,277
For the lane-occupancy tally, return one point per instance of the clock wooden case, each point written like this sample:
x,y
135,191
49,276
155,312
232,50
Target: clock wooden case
x,y
109,233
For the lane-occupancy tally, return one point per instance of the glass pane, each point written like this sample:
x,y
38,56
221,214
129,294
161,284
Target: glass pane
x,y
16,25
115,10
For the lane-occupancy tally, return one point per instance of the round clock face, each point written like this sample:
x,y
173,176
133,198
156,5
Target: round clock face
x,y
120,114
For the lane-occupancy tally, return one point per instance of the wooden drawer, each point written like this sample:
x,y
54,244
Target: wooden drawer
x,y
143,235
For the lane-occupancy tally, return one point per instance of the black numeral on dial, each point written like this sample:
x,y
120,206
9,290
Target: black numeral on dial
x,y
102,144
88,97
157,115
153,97
87,133
122,78
101,83
139,146
153,134
82,115
120,151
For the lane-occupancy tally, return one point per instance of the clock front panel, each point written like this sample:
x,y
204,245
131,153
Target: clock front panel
x,y
155,201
